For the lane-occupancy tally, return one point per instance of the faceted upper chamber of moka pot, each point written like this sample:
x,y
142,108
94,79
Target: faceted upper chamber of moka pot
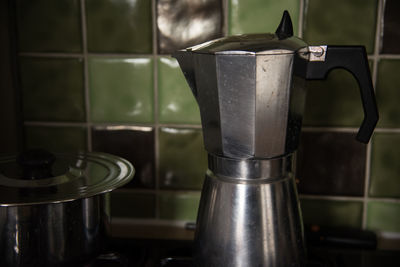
x,y
250,89
250,92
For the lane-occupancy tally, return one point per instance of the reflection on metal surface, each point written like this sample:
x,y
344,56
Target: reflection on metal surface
x,y
177,131
124,127
317,53
250,169
186,22
170,62
136,109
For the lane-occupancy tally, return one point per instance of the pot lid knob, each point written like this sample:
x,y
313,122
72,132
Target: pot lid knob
x,y
36,163
285,28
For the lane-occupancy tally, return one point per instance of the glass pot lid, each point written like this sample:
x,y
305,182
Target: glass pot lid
x,y
53,178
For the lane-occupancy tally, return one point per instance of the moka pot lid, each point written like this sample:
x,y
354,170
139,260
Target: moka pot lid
x,y
280,42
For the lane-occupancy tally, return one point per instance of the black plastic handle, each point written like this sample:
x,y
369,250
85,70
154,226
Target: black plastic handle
x,y
355,60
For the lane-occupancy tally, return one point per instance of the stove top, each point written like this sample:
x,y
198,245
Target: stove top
x,y
163,253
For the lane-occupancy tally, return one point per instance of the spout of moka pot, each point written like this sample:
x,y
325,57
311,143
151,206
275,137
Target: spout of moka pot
x,y
186,62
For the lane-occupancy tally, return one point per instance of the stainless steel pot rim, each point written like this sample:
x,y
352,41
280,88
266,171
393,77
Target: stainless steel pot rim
x,y
88,174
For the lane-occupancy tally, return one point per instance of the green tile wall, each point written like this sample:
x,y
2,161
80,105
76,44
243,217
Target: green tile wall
x,y
388,83
121,89
85,64
346,110
56,139
176,101
179,206
332,213
247,16
383,216
385,166
133,205
183,160
46,25
119,26
52,89
344,22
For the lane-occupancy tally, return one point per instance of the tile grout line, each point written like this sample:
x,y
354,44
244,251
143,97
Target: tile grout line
x,y
300,35
331,197
149,191
155,110
192,126
389,56
329,129
150,222
379,24
78,55
367,179
386,200
110,124
225,11
86,76
121,55
49,55
301,19
348,198
387,130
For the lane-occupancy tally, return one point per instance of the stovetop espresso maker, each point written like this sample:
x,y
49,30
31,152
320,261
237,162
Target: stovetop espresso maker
x,y
251,94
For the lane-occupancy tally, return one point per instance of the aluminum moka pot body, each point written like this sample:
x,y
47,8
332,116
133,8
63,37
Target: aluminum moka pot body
x,y
251,104
251,94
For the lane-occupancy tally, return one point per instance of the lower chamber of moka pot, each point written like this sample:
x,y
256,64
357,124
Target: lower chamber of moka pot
x,y
249,222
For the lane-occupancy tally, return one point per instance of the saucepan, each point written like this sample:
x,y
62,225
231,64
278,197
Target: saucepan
x,y
54,208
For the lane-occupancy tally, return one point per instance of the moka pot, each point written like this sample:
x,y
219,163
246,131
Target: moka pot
x,y
251,93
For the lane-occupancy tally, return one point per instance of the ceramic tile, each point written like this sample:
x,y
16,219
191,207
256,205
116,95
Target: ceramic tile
x,y
183,160
331,163
335,101
383,216
132,205
119,26
56,139
184,23
250,16
179,206
385,168
341,22
176,101
49,26
52,89
135,144
121,89
388,93
391,25
332,213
